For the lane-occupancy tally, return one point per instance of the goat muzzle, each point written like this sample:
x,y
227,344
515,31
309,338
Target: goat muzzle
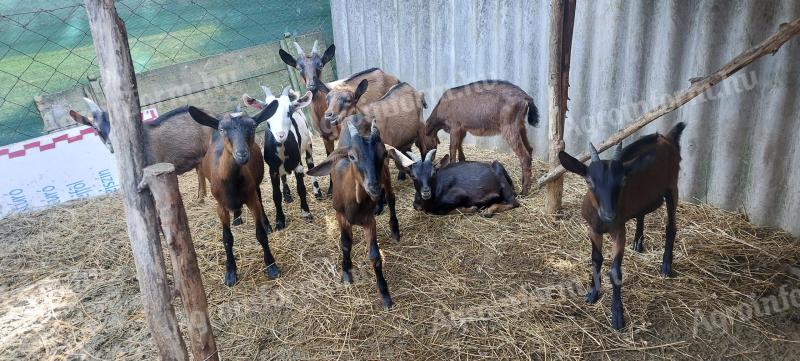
x,y
425,193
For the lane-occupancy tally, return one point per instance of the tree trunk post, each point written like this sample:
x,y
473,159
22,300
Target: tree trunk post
x,y
163,184
122,101
698,86
562,18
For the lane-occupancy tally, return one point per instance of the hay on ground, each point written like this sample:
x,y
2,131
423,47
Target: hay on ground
x,y
465,287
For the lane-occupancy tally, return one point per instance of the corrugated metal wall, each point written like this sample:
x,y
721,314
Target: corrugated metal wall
x,y
740,150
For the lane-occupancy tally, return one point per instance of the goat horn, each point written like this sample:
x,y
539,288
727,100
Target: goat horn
x,y
431,154
314,49
352,128
299,50
93,107
267,92
374,131
618,152
413,156
593,151
285,92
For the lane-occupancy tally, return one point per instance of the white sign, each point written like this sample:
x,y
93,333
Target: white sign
x,y
55,168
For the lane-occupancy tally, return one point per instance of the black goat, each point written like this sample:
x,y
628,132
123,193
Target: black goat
x,y
463,187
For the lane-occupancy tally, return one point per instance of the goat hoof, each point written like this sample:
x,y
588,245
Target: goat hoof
x,y
287,198
307,216
231,278
617,320
387,303
237,221
666,271
486,214
318,195
279,224
592,296
396,235
273,271
347,278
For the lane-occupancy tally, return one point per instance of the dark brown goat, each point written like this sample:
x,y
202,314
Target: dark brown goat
x,y
484,108
638,180
398,116
174,137
360,174
235,168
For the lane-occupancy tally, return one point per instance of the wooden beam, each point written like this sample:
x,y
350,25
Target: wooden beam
x,y
562,19
769,46
163,184
122,99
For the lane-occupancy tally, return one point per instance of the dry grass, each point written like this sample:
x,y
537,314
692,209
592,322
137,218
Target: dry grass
x,y
465,287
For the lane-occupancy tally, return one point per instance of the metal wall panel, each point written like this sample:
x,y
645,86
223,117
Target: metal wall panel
x,y
740,149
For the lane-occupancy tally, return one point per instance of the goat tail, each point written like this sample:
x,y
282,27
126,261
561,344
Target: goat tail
x,y
533,114
674,134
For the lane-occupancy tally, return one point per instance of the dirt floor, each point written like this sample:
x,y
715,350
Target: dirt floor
x,y
465,287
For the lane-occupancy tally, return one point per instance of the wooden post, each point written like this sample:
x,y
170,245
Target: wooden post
x,y
122,99
698,86
163,184
562,19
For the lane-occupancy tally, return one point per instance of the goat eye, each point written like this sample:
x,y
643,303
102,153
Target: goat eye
x,y
352,157
589,183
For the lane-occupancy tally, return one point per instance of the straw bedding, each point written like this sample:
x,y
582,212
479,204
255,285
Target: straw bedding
x,y
465,287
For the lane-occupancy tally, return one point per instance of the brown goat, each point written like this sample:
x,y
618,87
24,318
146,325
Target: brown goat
x,y
235,168
399,118
174,137
360,173
484,108
341,97
637,181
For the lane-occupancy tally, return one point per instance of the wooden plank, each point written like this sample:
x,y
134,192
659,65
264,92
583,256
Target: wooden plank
x,y
699,86
119,84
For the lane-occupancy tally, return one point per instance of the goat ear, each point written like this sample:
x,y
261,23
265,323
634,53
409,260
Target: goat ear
x,y
267,113
326,166
287,58
203,118
80,119
329,53
252,102
444,161
641,162
571,164
400,159
361,89
303,102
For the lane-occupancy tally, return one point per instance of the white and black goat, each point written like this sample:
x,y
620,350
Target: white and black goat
x,y
285,141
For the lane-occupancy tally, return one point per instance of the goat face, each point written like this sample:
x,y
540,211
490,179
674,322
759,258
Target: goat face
x,y
309,66
342,101
367,154
99,122
237,130
280,124
422,171
605,179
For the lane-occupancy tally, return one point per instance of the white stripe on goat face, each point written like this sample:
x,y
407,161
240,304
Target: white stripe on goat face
x,y
281,124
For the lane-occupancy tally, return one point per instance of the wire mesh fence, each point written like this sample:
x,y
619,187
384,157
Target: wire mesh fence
x,y
46,47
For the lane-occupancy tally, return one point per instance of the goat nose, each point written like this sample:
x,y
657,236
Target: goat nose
x,y
281,135
241,154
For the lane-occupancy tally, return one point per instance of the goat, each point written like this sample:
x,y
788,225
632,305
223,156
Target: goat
x,y
341,97
284,141
399,117
310,68
171,138
483,108
636,181
235,168
463,187
360,174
